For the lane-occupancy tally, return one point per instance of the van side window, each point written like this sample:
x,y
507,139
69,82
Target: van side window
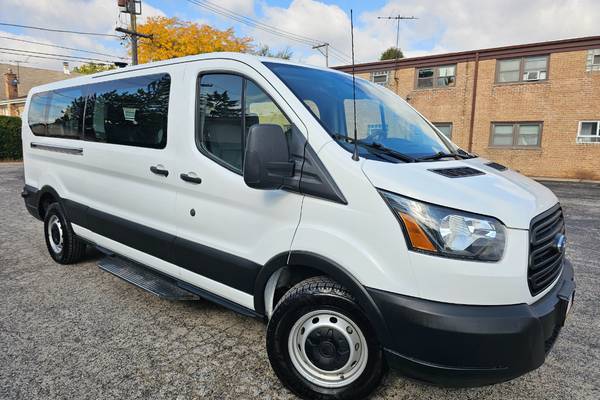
x,y
132,111
220,117
228,105
36,116
57,113
260,109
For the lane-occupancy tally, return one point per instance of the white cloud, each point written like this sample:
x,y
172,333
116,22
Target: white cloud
x,y
452,25
100,16
245,7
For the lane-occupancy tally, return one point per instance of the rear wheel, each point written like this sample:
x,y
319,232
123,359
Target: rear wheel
x,y
64,247
321,345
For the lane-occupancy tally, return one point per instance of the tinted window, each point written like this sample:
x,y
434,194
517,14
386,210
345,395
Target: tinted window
x,y
260,109
220,117
36,116
228,105
57,113
132,111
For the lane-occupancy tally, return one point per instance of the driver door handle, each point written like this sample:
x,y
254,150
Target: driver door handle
x,y
159,170
191,178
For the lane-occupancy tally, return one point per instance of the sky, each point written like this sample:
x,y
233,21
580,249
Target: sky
x,y
442,26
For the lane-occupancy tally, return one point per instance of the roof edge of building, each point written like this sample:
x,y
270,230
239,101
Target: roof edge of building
x,y
555,46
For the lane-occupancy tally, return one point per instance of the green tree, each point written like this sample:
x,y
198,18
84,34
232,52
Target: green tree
x,y
265,51
92,68
391,54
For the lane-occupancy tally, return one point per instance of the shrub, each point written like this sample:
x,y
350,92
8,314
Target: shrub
x,y
10,138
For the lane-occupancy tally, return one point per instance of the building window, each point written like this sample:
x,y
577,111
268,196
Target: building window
x,y
436,77
525,69
593,60
445,128
380,77
588,132
520,134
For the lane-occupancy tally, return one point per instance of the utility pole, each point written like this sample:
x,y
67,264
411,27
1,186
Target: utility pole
x,y
398,18
326,53
133,8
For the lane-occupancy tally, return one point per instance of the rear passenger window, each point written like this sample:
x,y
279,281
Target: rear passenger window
x,y
36,116
57,113
224,122
132,111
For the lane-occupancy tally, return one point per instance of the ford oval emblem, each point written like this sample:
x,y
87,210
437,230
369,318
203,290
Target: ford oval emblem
x,y
560,243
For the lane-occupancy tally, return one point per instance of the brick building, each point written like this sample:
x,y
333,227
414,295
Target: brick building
x,y
533,107
16,83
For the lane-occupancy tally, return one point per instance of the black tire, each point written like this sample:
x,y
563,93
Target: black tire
x,y
66,248
310,296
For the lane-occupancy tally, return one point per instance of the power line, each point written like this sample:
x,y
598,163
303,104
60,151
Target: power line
x,y
60,47
43,57
62,56
266,28
269,28
60,30
250,21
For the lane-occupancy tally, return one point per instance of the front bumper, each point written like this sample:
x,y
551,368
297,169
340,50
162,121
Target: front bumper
x,y
465,345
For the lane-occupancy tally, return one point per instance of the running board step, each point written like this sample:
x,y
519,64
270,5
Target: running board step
x,y
145,278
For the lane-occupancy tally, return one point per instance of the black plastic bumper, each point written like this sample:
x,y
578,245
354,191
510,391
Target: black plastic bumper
x,y
461,345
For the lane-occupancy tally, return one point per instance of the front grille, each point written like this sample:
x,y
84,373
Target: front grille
x,y
545,261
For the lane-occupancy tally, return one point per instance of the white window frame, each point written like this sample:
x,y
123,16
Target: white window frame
x,y
581,138
590,65
380,73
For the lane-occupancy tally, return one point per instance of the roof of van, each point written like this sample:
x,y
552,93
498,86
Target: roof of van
x,y
243,57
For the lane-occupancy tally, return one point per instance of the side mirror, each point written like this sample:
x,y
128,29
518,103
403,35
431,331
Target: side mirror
x,y
267,159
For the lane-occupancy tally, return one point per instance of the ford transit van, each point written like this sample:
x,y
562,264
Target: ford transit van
x,y
330,209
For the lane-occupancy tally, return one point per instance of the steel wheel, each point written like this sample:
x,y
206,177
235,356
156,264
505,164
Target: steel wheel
x,y
327,348
55,234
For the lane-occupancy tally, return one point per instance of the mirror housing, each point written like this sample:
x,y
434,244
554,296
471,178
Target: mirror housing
x,y
267,161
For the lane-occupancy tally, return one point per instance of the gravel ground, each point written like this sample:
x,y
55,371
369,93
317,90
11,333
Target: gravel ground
x,y
78,332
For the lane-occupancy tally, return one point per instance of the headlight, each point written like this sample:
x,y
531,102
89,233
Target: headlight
x,y
447,232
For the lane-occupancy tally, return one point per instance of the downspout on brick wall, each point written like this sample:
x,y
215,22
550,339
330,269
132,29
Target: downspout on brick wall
x,y
473,102
11,91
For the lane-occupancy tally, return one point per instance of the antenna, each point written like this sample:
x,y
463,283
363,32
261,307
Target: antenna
x,y
398,18
355,154
326,53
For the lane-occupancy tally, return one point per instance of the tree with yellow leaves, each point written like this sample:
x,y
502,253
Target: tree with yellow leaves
x,y
172,37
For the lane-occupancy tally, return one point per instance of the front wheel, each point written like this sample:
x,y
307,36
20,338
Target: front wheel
x,y
321,345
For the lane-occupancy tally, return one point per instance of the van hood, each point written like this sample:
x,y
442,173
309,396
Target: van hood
x,y
506,195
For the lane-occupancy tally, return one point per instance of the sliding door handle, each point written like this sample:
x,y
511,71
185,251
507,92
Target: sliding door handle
x,y
191,178
159,170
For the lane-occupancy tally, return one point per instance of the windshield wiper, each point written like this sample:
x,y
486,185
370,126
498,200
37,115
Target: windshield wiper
x,y
441,154
378,147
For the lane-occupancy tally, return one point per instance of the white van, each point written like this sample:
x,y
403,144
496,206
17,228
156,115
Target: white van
x,y
237,179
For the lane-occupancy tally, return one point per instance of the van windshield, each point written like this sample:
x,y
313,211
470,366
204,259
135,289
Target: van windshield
x,y
382,118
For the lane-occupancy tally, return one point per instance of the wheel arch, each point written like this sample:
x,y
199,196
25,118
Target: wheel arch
x,y
313,264
45,196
